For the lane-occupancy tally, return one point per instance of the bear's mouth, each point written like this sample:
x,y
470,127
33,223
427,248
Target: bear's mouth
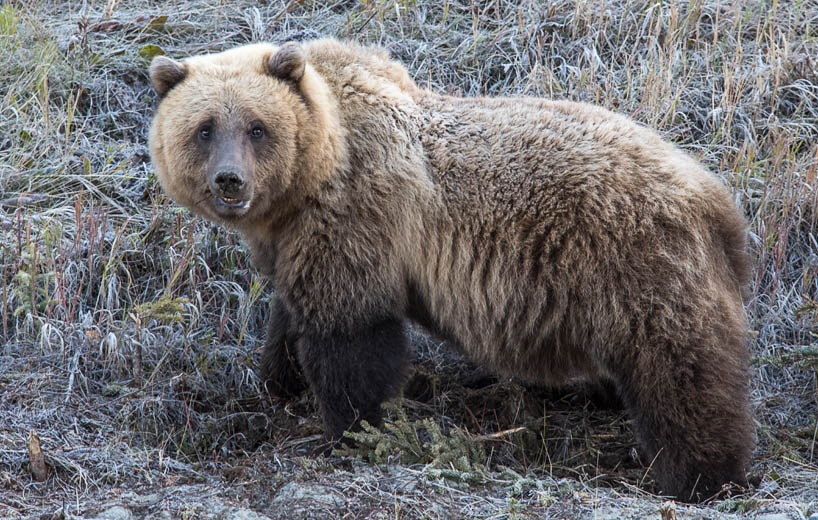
x,y
228,206
232,203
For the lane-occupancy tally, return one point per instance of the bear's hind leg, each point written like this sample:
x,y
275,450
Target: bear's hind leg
x,y
279,370
353,374
690,409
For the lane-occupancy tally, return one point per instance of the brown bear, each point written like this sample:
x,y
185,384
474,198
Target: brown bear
x,y
547,240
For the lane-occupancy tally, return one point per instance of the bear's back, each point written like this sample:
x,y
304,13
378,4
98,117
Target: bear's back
x,y
554,214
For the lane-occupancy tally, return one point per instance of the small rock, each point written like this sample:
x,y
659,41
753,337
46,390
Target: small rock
x,y
147,500
298,500
141,501
115,513
243,514
609,513
296,492
775,516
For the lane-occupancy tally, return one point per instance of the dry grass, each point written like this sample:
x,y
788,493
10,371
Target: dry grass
x,y
127,395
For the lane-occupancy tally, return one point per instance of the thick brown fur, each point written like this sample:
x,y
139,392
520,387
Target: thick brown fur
x,y
548,240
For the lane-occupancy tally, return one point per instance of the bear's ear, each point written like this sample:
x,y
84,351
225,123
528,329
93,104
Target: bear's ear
x,y
166,73
288,63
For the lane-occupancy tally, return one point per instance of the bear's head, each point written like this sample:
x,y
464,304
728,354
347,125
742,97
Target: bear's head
x,y
241,135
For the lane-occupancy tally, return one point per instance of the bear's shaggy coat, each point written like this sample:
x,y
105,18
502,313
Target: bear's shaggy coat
x,y
544,239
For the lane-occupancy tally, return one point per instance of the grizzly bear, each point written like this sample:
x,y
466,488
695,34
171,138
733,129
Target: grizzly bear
x,y
548,240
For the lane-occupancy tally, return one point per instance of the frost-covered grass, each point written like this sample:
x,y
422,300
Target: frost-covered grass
x,y
129,328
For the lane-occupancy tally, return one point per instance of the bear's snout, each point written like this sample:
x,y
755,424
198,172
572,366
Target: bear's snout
x,y
229,182
231,189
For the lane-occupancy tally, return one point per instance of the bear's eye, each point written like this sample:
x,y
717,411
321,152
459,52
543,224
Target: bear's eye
x,y
256,131
205,132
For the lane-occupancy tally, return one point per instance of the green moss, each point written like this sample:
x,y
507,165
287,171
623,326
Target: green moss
x,y
164,310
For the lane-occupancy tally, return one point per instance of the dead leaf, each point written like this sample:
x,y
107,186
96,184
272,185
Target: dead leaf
x,y
150,51
106,26
810,175
668,511
37,465
24,199
158,23
154,23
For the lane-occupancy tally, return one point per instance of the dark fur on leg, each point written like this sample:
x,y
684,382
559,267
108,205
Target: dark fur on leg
x,y
353,374
692,455
279,369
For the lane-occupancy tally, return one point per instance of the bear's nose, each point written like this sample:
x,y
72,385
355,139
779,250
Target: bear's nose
x,y
229,181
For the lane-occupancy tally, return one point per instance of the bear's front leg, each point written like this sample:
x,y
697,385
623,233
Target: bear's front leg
x,y
279,370
352,374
